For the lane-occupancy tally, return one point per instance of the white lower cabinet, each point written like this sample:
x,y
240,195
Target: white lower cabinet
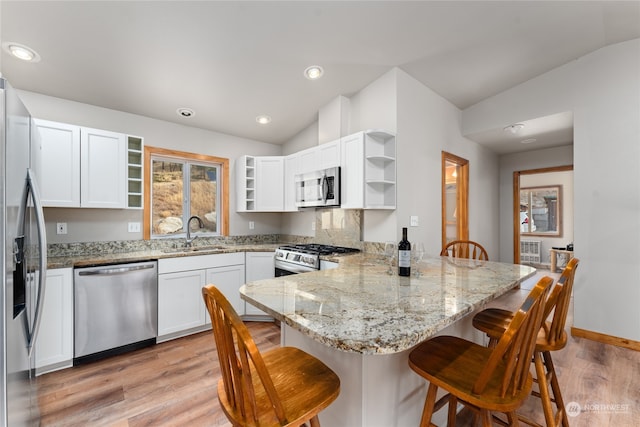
x,y
54,345
181,309
180,304
258,265
228,280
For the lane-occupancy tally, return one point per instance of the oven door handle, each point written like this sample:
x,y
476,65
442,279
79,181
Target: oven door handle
x,y
294,268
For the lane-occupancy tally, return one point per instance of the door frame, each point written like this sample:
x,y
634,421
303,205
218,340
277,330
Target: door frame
x,y
516,202
462,196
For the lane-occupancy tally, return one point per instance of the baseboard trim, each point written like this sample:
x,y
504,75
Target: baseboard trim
x,y
605,339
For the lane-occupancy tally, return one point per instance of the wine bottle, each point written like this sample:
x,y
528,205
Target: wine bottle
x,y
404,255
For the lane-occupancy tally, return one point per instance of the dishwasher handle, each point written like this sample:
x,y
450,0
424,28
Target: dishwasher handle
x,y
119,270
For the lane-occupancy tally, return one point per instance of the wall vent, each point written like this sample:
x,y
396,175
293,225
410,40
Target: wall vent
x,y
530,251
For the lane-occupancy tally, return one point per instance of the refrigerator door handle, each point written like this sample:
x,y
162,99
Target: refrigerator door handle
x,y
32,186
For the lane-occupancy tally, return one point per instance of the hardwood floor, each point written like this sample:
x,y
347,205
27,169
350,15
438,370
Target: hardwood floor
x,y
174,384
169,384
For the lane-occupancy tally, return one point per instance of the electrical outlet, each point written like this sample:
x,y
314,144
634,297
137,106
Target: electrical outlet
x,y
313,226
134,227
252,225
414,220
61,228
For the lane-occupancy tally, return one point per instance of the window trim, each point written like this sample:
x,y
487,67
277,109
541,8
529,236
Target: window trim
x,y
183,155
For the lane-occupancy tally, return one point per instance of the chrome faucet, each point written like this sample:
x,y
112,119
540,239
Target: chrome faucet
x,y
187,244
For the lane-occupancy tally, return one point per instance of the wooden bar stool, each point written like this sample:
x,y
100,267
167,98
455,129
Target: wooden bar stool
x,y
282,387
482,378
551,337
465,249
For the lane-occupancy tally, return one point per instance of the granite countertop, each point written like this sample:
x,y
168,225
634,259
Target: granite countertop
x,y
359,308
96,258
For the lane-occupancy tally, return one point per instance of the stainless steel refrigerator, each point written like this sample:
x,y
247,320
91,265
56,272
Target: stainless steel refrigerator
x,y
23,261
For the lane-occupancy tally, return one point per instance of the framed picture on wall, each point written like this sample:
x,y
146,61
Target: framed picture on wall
x,y
541,211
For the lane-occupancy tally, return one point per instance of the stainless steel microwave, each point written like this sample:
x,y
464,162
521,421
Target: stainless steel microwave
x,y
318,189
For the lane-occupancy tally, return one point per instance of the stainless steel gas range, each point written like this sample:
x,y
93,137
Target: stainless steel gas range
x,y
294,259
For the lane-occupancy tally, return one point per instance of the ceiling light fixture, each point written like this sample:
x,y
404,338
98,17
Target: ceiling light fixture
x,y
21,51
263,119
514,129
185,112
314,72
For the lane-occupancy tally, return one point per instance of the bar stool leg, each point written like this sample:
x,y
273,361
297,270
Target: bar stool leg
x,y
543,385
429,404
453,410
555,387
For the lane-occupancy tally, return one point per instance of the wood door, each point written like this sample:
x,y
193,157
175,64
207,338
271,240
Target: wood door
x,y
455,198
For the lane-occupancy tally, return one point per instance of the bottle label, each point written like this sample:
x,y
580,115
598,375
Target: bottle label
x,y
404,258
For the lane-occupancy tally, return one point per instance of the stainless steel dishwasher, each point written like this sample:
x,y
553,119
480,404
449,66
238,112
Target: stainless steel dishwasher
x,y
115,308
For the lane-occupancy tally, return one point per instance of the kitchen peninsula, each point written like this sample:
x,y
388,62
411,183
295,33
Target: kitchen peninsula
x,y
363,323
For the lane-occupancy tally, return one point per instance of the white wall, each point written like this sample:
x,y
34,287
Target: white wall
x,y
510,163
565,180
427,125
603,91
375,107
106,224
306,138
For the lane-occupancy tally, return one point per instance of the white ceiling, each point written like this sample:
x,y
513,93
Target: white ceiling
x,y
231,61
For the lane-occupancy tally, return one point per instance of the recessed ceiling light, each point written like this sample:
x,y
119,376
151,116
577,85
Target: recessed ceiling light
x,y
185,112
21,51
514,129
528,141
263,119
313,72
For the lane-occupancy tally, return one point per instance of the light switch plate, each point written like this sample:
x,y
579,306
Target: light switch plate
x,y
414,220
134,227
252,225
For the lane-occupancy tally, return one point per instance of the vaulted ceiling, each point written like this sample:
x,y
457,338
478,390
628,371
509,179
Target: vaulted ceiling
x,y
232,61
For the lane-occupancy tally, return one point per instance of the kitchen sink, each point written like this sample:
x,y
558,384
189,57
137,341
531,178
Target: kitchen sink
x,y
183,250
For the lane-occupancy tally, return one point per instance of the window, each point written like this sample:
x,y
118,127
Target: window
x,y
181,185
540,211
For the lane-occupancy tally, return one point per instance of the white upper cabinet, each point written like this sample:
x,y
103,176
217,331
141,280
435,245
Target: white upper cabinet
x,y
81,167
329,154
102,169
309,160
320,157
246,184
59,168
260,184
368,174
352,172
369,170
270,183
